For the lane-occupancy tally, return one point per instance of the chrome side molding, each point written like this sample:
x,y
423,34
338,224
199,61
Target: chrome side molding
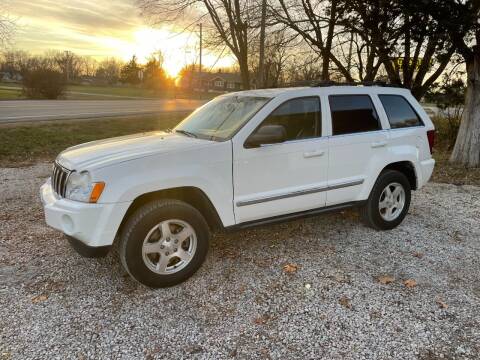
x,y
299,193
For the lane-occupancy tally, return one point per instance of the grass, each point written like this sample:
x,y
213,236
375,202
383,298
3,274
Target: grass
x,y
24,144
10,94
93,92
88,92
113,91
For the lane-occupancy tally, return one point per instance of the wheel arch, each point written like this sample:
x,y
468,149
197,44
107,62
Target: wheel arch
x,y
189,194
407,168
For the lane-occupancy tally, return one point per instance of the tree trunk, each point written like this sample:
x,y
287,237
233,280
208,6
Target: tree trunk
x,y
244,74
467,146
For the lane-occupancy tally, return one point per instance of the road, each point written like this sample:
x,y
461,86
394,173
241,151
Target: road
x,y
41,110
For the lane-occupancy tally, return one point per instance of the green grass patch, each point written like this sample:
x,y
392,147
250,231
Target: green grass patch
x,y
10,91
10,94
21,145
115,91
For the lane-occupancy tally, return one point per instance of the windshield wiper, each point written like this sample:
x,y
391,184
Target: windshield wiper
x,y
188,133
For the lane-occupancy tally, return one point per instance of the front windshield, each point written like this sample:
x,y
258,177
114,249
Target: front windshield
x,y
220,118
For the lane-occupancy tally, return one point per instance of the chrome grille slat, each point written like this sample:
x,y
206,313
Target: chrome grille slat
x,y
59,179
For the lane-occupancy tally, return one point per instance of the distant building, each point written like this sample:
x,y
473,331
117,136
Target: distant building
x,y
212,82
8,76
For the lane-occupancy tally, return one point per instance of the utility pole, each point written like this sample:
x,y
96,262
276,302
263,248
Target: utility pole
x,y
261,65
200,67
200,64
67,66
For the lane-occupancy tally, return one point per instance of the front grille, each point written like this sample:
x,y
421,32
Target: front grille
x,y
59,179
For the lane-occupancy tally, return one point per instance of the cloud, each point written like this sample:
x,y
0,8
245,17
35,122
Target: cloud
x,y
74,24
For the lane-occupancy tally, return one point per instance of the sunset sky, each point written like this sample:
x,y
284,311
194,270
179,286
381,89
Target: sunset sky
x,y
103,28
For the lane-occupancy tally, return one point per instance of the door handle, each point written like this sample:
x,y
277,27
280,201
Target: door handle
x,y
379,144
314,153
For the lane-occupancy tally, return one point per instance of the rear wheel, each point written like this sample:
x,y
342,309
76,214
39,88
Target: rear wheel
x,y
388,202
164,242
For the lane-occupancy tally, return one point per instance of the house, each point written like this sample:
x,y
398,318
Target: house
x,y
13,77
211,82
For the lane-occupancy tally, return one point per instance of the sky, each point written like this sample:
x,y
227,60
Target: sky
x,y
103,28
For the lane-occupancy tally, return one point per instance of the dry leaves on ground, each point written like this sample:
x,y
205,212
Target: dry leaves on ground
x,y
442,304
262,320
385,279
345,302
290,268
39,298
410,283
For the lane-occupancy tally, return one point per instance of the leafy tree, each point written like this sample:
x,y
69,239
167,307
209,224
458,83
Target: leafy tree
x,y
154,76
130,72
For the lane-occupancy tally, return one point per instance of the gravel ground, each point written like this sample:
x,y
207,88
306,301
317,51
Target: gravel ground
x,y
328,303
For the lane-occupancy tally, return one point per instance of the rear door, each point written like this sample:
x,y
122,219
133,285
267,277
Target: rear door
x,y
356,146
287,177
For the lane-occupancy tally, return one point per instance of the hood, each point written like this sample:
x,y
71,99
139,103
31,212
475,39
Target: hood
x,y
106,152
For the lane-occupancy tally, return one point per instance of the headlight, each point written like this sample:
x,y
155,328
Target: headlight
x,y
81,188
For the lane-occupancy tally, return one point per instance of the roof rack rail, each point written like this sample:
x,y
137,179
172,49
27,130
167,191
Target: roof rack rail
x,y
355,83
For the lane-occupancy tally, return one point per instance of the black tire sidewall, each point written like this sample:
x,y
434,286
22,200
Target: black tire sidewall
x,y
386,178
137,228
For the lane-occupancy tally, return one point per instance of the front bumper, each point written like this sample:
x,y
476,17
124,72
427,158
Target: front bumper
x,y
95,225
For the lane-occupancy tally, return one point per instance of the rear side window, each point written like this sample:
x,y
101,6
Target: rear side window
x,y
353,114
399,112
300,117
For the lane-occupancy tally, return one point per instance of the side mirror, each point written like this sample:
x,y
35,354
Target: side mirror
x,y
267,134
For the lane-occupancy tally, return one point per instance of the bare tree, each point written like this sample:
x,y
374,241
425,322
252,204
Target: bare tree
x,y
7,25
88,66
69,63
228,22
304,66
317,22
108,71
279,48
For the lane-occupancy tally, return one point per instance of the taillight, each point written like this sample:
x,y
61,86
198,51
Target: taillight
x,y
431,139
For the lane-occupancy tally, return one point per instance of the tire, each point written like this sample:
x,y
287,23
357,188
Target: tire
x,y
376,212
151,247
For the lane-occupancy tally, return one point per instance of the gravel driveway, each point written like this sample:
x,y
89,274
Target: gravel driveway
x,y
342,294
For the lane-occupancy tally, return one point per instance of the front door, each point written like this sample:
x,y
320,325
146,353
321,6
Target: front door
x,y
286,177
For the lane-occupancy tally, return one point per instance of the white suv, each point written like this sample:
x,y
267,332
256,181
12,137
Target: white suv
x,y
243,159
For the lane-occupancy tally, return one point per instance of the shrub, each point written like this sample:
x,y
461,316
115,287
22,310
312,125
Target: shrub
x,y
449,98
446,126
43,83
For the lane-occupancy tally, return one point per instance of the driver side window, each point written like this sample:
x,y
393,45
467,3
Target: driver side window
x,y
300,117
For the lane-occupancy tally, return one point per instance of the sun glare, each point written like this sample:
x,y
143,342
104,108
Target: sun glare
x,y
177,49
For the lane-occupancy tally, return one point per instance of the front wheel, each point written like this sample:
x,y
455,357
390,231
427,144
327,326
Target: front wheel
x,y
388,202
163,243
